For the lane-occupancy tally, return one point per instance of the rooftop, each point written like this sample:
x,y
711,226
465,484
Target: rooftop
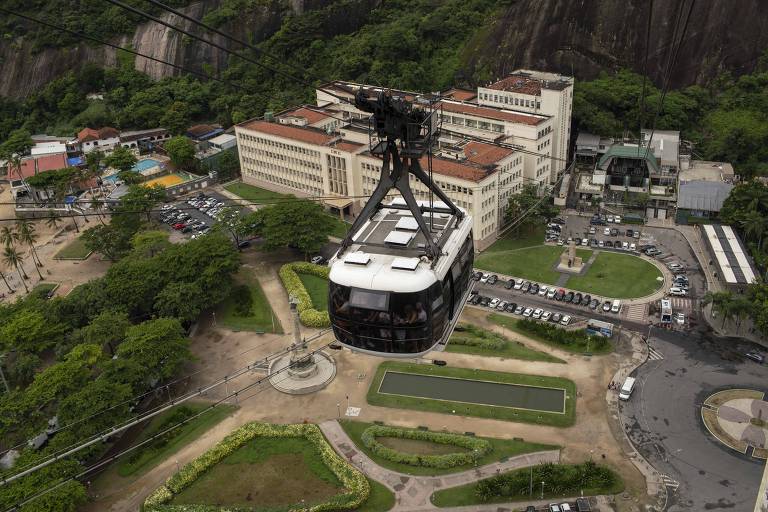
x,y
456,169
531,82
485,154
700,170
36,165
312,116
89,134
730,255
456,93
222,139
298,133
703,195
633,152
492,113
204,131
131,135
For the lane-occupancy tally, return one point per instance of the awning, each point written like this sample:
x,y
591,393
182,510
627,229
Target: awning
x,y
339,203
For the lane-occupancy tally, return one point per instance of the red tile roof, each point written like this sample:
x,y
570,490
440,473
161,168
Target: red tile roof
x,y
460,94
485,154
492,113
89,134
306,135
348,146
456,169
44,163
518,83
312,116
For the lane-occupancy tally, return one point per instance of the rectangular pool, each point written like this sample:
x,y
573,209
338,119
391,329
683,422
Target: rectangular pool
x,y
497,394
143,165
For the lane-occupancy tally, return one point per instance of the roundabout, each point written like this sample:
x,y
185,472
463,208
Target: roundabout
x,y
738,418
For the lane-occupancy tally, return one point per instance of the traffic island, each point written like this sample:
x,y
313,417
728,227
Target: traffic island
x,y
738,418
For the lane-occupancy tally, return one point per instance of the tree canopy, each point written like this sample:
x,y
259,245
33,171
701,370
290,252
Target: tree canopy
x,y
181,151
300,224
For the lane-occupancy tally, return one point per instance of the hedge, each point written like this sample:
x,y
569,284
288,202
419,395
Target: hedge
x,y
558,335
480,338
289,275
478,447
353,481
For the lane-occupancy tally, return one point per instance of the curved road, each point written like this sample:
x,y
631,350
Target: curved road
x,y
663,420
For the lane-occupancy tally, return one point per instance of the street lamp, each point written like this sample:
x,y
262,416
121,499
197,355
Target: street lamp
x,y
542,490
338,409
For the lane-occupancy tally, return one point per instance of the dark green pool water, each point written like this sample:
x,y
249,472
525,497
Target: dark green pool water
x,y
473,391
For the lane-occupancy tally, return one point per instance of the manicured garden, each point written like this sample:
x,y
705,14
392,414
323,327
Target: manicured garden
x,y
143,459
255,194
269,466
412,451
247,308
470,339
559,481
577,341
534,263
619,276
311,313
466,408
74,250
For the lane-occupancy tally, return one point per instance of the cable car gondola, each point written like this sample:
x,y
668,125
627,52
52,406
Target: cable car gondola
x,y
398,285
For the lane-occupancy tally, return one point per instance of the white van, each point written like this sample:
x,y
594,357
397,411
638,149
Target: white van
x,y
616,307
626,388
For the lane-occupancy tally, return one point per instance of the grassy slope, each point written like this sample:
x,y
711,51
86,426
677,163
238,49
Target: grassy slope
x,y
189,432
75,250
254,194
317,287
510,323
528,238
619,276
482,411
380,499
512,350
502,448
261,317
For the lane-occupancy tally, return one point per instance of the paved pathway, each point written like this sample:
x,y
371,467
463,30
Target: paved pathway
x,y
412,492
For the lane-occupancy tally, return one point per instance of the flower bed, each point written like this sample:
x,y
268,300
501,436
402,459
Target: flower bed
x,y
289,275
354,482
478,447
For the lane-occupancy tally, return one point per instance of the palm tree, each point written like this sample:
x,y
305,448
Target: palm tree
x,y
742,308
723,303
26,233
755,224
52,221
12,257
8,237
2,276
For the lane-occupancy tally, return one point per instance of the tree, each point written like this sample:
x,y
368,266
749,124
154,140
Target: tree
x,y
8,236
722,304
2,276
181,151
94,398
106,330
527,208
180,300
29,330
121,159
755,225
176,118
18,142
300,224
149,243
26,234
52,221
106,240
158,345
12,257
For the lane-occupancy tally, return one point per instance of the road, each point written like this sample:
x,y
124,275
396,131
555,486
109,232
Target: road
x,y
663,420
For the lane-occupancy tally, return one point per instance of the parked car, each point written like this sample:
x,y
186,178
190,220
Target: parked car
x,y
614,232
600,243
537,313
565,320
556,317
677,291
568,297
485,301
493,279
592,230
584,241
607,306
608,243
317,260
755,356
577,298
511,307
243,244
542,291
630,233
617,219
494,302
609,218
625,246
606,231
593,305
502,306
179,226
526,287
519,310
675,266
518,284
509,284
558,220
476,276
559,294
475,300
551,293
679,318
534,289
577,241
546,315
484,278
528,312
586,300
632,247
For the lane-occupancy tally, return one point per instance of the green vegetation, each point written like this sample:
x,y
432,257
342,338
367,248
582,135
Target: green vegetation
x,y
251,312
41,290
531,237
560,481
142,460
74,250
620,276
534,263
572,341
500,449
339,228
309,314
317,287
380,500
470,339
526,209
465,409
255,194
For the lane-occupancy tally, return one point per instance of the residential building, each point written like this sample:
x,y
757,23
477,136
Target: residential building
x,y
200,132
103,139
702,189
590,147
537,92
30,166
47,148
143,140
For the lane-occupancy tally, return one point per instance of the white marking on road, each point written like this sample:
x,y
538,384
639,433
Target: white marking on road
x,y
654,355
669,481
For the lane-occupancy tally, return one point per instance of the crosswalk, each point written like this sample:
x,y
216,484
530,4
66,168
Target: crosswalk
x,y
654,355
682,304
636,312
670,482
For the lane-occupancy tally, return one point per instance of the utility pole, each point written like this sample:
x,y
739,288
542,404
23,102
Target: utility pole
x,y
530,488
542,490
2,375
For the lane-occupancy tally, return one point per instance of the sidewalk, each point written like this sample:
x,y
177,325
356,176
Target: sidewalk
x,y
412,493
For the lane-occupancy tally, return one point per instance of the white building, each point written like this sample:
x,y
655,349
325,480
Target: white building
x,y
537,92
299,152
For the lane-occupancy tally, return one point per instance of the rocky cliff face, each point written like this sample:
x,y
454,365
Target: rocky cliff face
x,y
587,36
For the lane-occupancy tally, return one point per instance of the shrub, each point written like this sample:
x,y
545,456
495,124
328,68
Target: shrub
x,y
243,300
561,336
289,275
478,447
353,481
480,338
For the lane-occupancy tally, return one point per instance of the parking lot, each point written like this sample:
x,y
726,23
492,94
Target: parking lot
x,y
193,220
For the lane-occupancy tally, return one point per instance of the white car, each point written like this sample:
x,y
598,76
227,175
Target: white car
x,y
528,312
677,291
584,241
565,320
560,242
551,293
494,302
542,291
617,219
565,507
675,266
553,507
485,277
607,231
546,315
632,247
624,245
537,312
679,318
518,284
600,243
592,230
609,218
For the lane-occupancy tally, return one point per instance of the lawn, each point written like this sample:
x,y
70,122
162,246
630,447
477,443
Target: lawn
x,y
477,343
471,409
261,319
531,237
380,499
317,287
41,290
510,323
339,227
465,495
267,473
534,263
255,194
619,276
502,448
75,250
144,459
